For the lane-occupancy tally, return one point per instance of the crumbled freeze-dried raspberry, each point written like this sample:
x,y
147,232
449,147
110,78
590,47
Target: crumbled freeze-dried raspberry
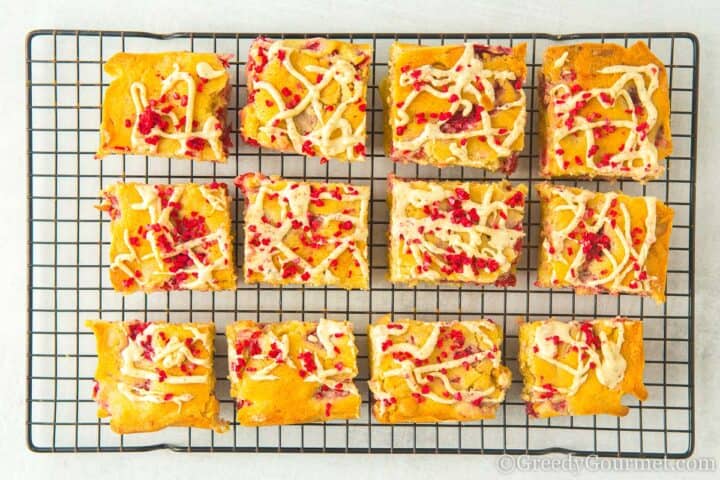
x,y
147,120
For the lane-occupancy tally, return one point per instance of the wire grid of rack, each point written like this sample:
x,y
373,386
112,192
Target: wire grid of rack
x,y
68,261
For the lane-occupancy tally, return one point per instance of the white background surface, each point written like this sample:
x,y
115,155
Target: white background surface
x,y
17,17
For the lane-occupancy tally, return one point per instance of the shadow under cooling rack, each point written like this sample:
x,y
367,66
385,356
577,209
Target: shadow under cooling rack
x,y
68,261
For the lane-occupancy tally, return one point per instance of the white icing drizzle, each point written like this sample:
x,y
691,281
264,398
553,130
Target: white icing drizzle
x,y
326,376
611,370
204,70
417,377
561,60
412,233
215,197
121,259
619,230
294,201
421,353
209,131
638,157
326,330
607,362
460,81
331,136
200,274
163,357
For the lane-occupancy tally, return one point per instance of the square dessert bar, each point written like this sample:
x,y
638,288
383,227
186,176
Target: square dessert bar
x,y
436,371
581,368
170,104
155,375
603,242
305,233
604,112
456,105
307,97
464,232
169,237
292,372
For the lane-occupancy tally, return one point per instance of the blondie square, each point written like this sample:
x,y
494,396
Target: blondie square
x,y
603,242
169,237
170,104
155,375
292,372
581,368
305,232
456,232
436,371
456,105
604,112
307,97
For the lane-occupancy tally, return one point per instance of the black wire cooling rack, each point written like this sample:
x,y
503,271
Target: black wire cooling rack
x,y
68,260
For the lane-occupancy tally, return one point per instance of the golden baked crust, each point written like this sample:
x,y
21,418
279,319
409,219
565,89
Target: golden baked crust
x,y
292,372
602,361
455,105
155,375
169,237
436,371
305,232
464,232
603,242
604,112
307,97
169,104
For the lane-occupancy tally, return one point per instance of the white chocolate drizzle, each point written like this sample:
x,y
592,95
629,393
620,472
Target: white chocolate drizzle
x,y
294,201
215,197
326,330
204,70
419,377
332,136
165,353
624,255
490,238
638,157
209,131
606,361
460,82
561,60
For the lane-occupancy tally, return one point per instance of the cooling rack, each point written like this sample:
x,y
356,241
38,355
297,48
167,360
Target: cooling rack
x,y
68,261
